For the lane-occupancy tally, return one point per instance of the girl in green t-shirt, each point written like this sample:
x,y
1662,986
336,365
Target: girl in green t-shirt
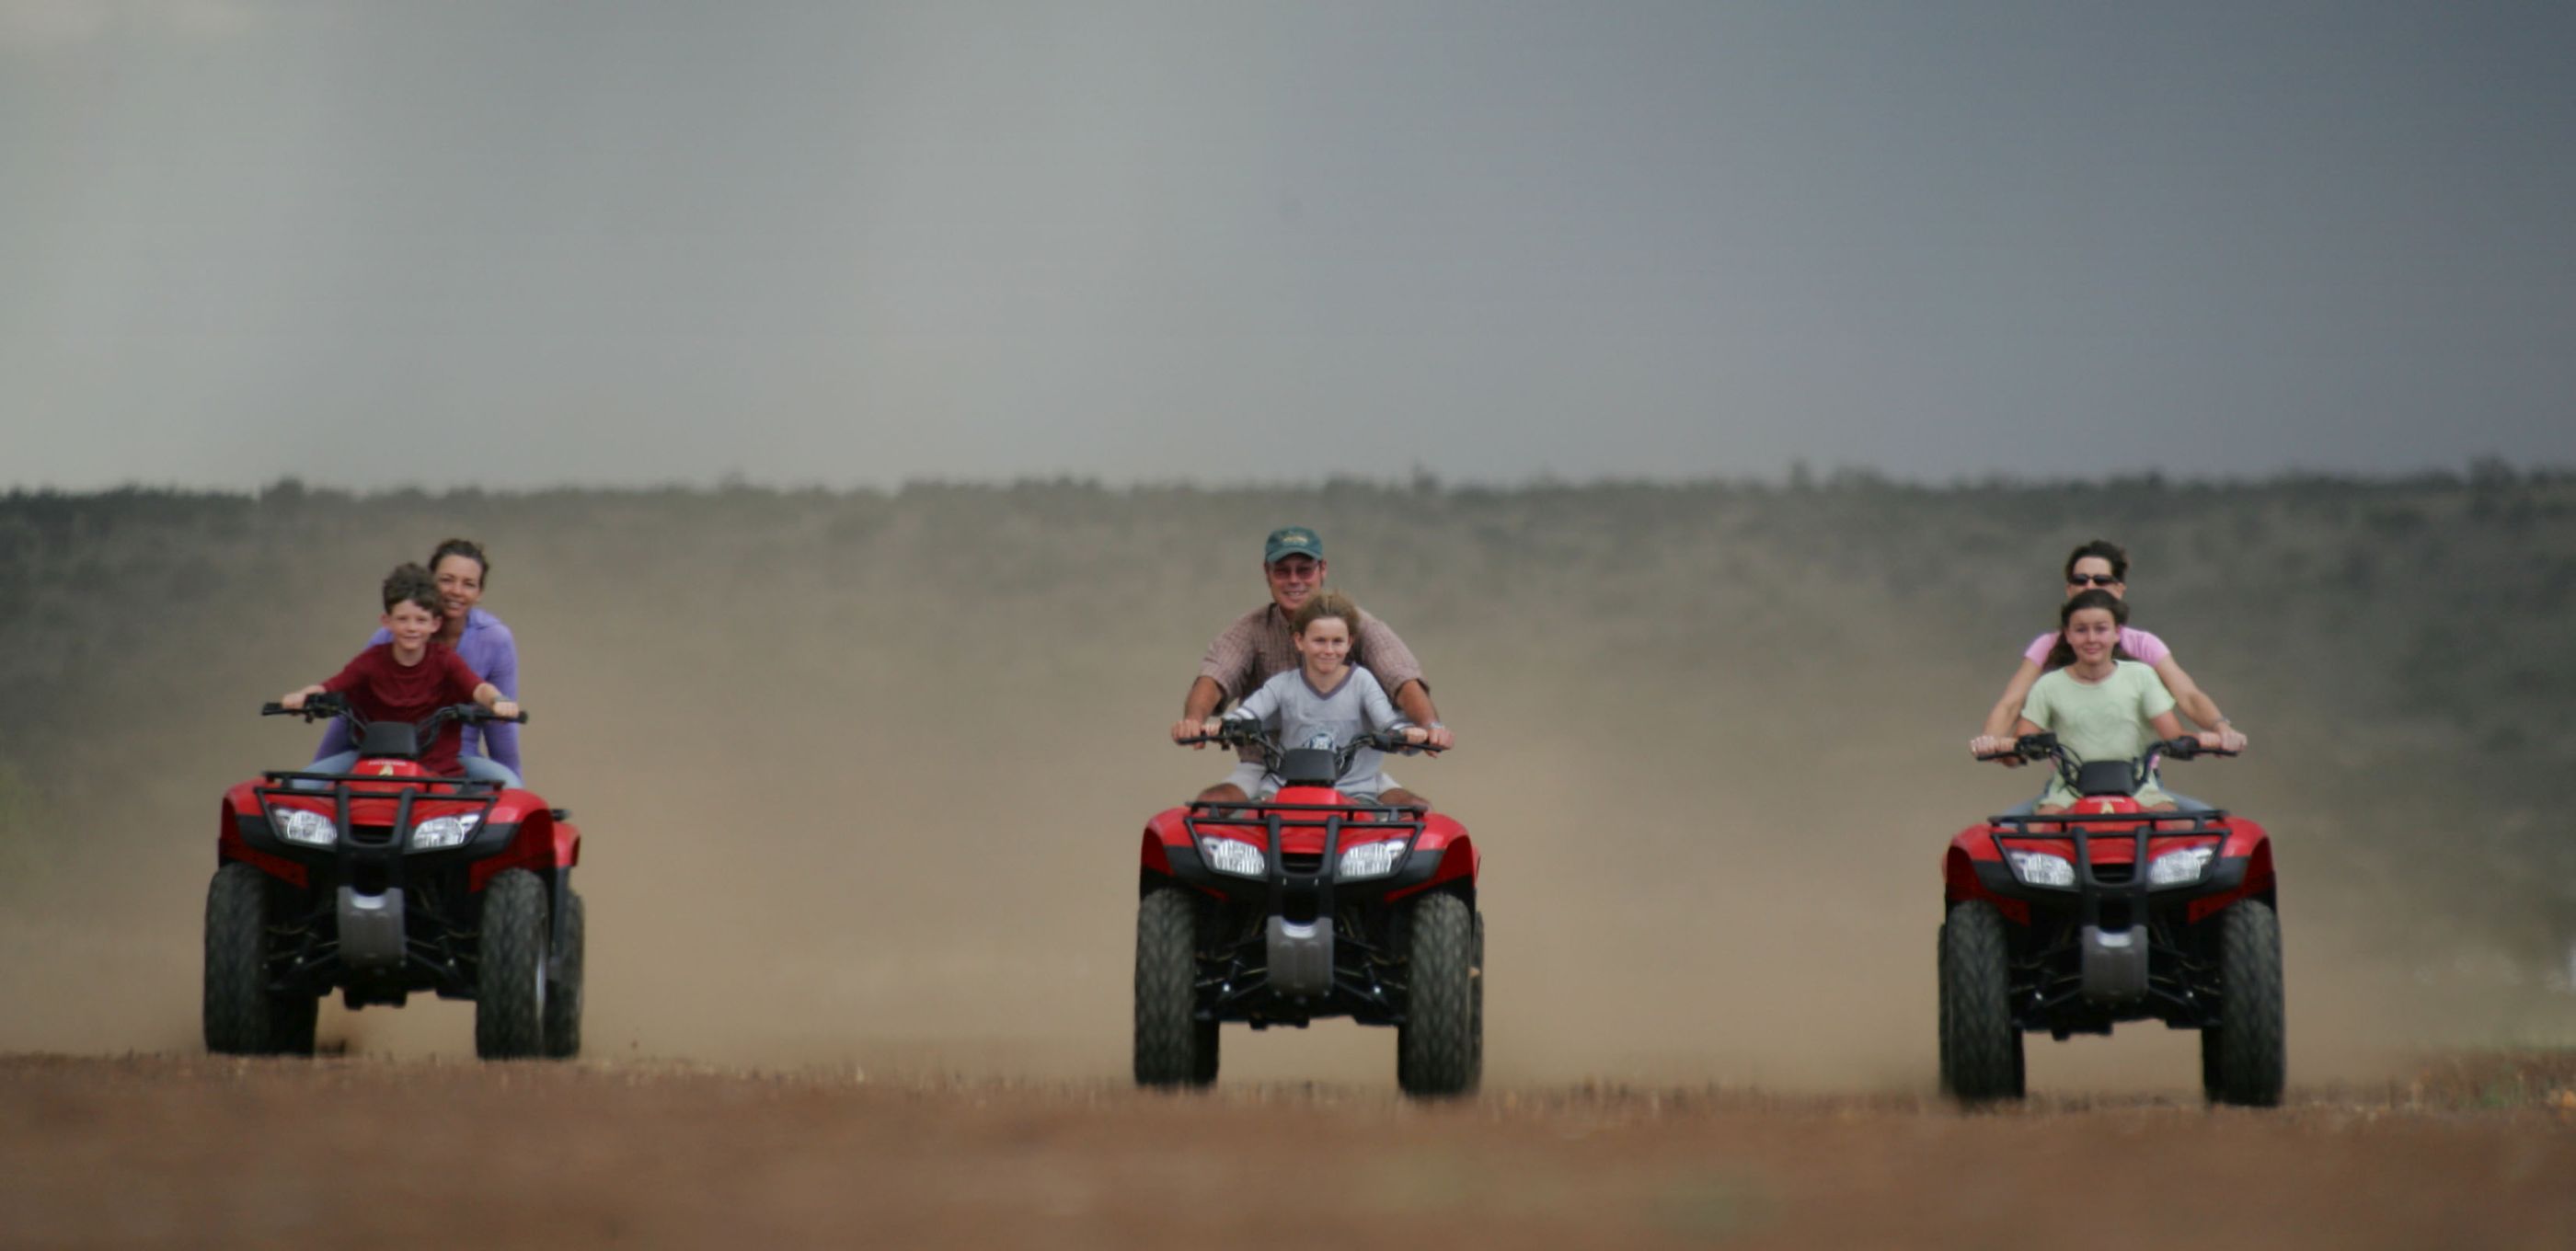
x,y
2100,706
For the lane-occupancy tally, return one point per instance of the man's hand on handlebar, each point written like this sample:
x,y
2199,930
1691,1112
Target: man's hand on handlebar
x,y
1188,728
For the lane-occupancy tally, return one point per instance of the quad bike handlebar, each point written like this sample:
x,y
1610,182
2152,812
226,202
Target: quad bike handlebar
x,y
1237,732
2036,748
331,705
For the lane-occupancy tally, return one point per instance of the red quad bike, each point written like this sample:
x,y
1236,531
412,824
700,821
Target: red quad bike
x,y
1308,905
387,880
2076,921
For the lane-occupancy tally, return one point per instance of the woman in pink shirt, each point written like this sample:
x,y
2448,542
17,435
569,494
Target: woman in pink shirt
x,y
2104,564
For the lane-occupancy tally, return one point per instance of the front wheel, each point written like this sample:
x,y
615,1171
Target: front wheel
x,y
2244,1057
510,999
1440,1046
1981,1057
242,1017
1173,1047
563,993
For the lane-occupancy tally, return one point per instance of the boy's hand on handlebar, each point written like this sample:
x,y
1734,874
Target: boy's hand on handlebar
x,y
506,709
292,701
1415,735
1998,748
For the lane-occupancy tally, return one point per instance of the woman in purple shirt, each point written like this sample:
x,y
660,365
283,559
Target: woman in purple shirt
x,y
491,752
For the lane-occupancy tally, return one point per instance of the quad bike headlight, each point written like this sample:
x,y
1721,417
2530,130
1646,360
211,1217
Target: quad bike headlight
x,y
1372,859
303,825
2038,868
440,832
1231,855
2175,868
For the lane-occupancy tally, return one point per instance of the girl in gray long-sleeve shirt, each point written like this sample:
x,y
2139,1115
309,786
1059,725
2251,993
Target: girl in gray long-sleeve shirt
x,y
1326,701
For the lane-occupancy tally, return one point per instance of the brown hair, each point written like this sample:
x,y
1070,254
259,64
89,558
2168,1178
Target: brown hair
x,y
2061,653
1326,604
411,583
2107,550
468,549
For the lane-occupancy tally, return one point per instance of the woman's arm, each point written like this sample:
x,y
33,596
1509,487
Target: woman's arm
x,y
501,741
2197,705
490,697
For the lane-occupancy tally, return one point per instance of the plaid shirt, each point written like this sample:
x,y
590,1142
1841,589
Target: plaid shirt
x,y
1258,645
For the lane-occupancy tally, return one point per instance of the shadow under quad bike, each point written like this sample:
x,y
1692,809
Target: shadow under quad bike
x,y
1307,904
386,880
2075,921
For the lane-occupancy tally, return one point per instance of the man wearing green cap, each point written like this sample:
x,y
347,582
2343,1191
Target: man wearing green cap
x,y
1259,644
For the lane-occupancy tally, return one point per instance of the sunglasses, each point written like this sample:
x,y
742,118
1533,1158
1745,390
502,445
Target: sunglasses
x,y
2091,579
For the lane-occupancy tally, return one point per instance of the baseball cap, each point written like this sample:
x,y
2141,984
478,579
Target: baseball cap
x,y
1291,541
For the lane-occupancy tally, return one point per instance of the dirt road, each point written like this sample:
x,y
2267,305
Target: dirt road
x,y
191,1151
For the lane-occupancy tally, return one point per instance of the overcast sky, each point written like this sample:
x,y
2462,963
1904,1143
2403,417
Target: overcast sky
x,y
515,244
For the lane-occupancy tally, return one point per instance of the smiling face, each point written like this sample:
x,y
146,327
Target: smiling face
x,y
412,627
460,585
1324,645
2092,633
1293,580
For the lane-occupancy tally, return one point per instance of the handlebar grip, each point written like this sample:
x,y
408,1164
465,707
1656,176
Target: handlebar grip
x,y
275,709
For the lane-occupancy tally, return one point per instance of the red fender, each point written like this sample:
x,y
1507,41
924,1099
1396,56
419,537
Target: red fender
x,y
1460,862
2247,839
1959,882
543,844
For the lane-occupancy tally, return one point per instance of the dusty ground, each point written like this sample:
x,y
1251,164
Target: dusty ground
x,y
189,1151
862,786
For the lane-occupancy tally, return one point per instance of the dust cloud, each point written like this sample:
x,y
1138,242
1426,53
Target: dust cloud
x,y
870,794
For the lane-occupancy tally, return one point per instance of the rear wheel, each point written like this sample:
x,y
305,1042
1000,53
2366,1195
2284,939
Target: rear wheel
x,y
563,993
2251,1062
510,1000
1173,1047
1438,1047
241,1017
1981,1056
1477,1032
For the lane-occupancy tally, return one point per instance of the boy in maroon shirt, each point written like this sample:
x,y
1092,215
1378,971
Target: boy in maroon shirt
x,y
409,677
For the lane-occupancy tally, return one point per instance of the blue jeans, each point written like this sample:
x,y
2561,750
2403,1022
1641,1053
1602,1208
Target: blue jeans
x,y
483,767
